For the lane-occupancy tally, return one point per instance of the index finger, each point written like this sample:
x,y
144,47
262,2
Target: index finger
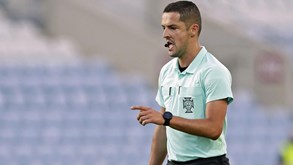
x,y
139,107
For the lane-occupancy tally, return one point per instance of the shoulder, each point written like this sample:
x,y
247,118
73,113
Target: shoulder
x,y
212,66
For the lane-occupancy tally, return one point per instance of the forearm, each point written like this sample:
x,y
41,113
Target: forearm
x,y
159,146
199,127
210,127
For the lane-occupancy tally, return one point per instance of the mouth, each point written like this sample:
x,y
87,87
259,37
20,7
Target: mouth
x,y
169,44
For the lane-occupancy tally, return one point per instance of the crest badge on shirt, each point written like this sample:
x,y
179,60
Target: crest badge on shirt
x,y
188,104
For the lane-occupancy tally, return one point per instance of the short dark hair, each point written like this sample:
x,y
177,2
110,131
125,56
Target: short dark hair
x,y
189,12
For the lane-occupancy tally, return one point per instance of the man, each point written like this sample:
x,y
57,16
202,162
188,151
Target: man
x,y
194,91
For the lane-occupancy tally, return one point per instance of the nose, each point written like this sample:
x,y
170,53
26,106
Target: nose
x,y
166,33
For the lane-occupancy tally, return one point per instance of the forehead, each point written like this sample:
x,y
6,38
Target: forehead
x,y
171,18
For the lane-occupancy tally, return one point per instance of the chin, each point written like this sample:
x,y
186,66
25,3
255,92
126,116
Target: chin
x,y
171,54
174,55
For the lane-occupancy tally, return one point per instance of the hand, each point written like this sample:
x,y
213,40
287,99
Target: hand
x,y
148,115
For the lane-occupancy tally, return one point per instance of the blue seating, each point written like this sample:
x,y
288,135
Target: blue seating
x,y
69,114
255,134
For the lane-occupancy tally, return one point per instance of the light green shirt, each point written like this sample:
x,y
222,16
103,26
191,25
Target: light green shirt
x,y
186,94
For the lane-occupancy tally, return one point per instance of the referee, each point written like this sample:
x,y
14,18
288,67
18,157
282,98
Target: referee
x,y
194,91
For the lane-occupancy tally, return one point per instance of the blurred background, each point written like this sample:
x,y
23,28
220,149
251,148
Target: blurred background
x,y
70,70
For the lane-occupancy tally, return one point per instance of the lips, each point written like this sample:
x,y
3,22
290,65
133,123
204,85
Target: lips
x,y
169,44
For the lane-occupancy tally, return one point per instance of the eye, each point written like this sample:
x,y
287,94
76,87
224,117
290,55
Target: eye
x,y
173,27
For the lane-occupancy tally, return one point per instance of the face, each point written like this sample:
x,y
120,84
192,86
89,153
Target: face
x,y
175,33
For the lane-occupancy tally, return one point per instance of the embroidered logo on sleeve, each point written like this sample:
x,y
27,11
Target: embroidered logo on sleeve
x,y
188,104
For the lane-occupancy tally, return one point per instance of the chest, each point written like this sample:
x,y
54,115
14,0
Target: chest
x,y
184,95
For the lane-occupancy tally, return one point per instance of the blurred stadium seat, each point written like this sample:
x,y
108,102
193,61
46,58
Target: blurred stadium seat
x,y
267,21
71,115
58,109
67,117
255,134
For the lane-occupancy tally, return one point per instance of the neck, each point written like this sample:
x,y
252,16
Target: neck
x,y
188,57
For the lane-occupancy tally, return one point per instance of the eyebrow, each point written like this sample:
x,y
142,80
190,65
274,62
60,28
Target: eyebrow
x,y
172,25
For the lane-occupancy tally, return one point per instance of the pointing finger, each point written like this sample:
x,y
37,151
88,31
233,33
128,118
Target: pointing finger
x,y
141,108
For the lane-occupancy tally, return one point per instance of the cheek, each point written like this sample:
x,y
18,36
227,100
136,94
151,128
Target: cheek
x,y
181,42
182,39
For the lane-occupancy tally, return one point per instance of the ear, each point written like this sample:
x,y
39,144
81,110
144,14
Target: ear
x,y
194,30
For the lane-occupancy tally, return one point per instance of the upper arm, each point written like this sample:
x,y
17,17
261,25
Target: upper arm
x,y
216,112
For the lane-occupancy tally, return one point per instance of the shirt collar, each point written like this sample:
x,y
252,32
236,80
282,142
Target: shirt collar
x,y
195,62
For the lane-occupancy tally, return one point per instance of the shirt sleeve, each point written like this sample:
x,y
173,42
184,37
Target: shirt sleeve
x,y
217,83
